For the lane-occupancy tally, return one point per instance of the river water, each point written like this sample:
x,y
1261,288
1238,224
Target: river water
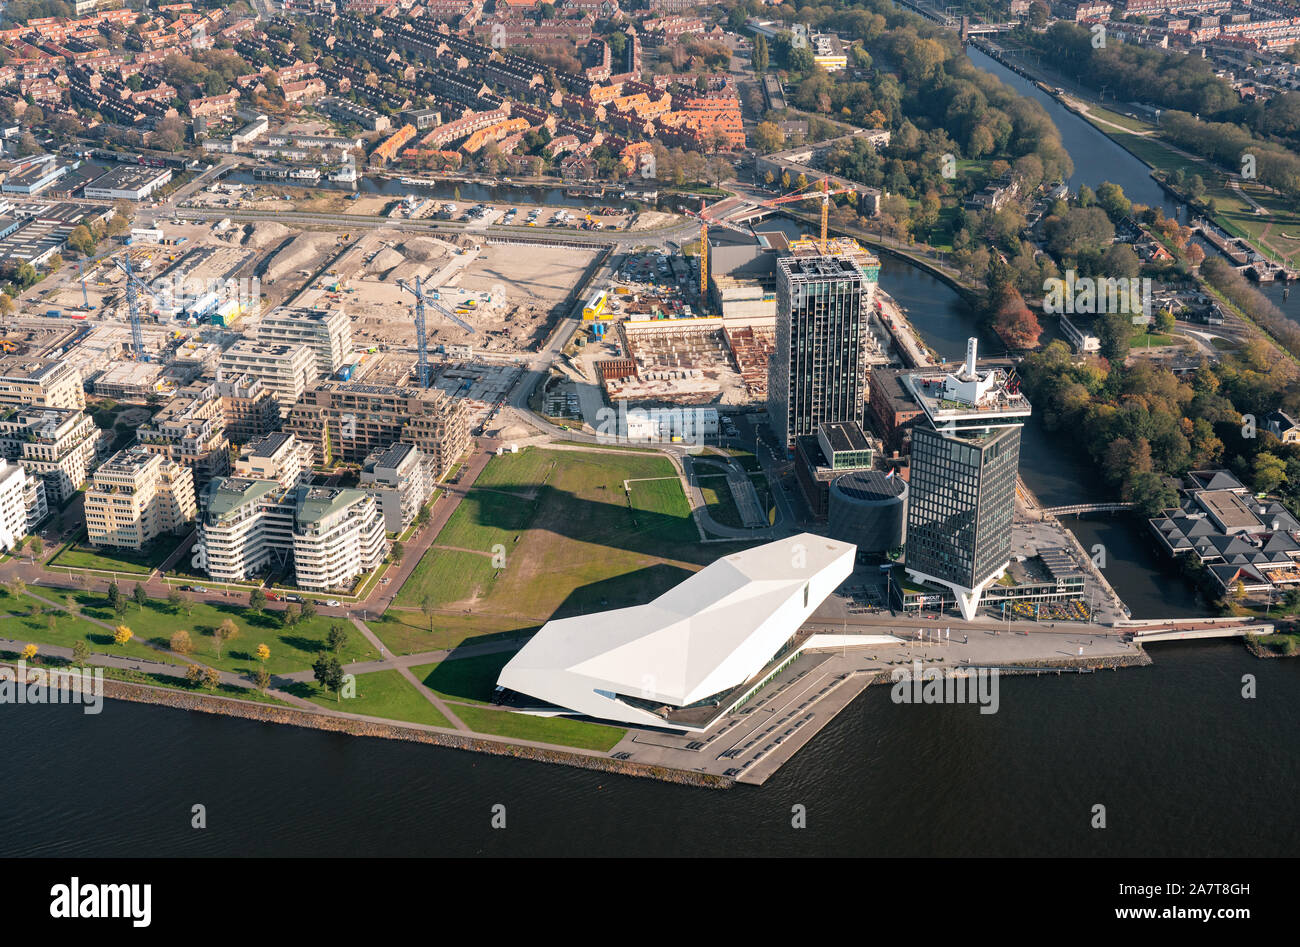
x,y
1183,763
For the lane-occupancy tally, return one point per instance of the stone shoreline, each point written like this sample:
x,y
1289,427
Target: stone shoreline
x,y
180,700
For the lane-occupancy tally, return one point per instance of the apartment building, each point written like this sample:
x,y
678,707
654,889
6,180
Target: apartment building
x,y
286,370
136,496
340,535
278,456
56,445
327,331
402,480
345,421
22,504
191,430
330,536
249,407
25,380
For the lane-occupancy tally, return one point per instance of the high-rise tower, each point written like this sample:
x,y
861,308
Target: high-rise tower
x,y
818,373
962,488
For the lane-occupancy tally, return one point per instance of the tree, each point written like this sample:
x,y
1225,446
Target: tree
x,y
398,552
308,610
1014,322
81,240
139,596
122,634
1268,472
187,605
226,631
768,137
29,652
263,652
257,600
194,674
760,57
329,674
211,678
80,651
37,546
1165,321
114,593
173,599
122,606
427,606
336,638
181,642
262,678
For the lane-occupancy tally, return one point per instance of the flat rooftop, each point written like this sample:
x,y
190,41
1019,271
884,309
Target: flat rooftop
x,y
1228,508
844,436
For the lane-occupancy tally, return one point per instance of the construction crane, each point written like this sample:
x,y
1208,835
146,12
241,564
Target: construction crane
x,y
133,286
421,339
705,220
824,194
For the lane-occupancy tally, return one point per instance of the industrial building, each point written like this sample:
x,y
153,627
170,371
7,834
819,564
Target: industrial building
x,y
136,497
329,536
348,421
695,652
965,457
819,370
127,182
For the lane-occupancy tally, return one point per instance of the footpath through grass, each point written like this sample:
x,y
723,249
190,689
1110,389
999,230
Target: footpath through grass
x,y
379,694
293,648
574,539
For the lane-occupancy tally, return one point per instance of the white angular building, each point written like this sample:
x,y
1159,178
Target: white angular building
x,y
328,332
136,497
693,653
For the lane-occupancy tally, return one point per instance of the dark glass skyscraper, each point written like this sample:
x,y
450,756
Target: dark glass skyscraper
x,y
962,487
819,370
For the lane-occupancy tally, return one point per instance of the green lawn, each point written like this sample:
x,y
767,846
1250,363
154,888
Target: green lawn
x,y
1141,338
719,499
486,518
292,648
558,730
407,631
665,501
581,545
470,679
382,694
82,556
25,624
522,472
447,576
175,683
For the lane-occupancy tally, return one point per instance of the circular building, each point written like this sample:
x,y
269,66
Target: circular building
x,y
868,508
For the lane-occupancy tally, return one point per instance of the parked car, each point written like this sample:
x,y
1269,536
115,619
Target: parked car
x,y
334,603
